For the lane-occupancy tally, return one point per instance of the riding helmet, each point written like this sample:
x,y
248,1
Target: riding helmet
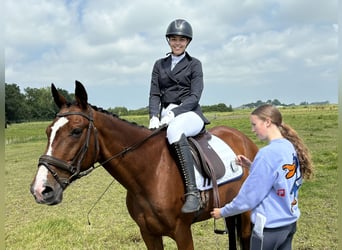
x,y
179,27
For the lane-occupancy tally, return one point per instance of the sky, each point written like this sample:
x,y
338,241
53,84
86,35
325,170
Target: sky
x,y
250,49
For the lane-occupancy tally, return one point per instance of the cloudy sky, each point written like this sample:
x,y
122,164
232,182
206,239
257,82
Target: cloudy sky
x,y
250,49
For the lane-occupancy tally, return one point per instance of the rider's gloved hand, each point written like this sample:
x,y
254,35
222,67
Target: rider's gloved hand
x,y
154,123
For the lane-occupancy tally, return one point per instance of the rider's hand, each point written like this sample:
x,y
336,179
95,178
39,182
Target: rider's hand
x,y
154,123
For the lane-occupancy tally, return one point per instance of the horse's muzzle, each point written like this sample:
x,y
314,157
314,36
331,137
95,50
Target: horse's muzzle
x,y
47,195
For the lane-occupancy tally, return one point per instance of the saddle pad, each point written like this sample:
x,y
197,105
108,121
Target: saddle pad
x,y
227,155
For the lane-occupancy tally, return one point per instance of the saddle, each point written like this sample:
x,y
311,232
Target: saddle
x,y
207,161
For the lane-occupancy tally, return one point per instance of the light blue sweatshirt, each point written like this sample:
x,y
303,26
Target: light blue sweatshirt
x,y
271,188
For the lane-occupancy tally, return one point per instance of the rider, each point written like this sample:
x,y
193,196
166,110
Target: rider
x,y
175,91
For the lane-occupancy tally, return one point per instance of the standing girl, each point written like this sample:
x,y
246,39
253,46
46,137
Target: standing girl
x,y
271,189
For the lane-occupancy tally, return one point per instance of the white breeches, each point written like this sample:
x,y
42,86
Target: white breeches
x,y
189,124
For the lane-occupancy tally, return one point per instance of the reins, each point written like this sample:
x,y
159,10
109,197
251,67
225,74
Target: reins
x,y
134,146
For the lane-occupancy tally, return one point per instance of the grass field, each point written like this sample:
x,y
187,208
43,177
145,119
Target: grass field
x,y
65,226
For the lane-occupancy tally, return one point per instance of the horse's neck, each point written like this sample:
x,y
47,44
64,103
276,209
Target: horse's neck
x,y
131,155
116,134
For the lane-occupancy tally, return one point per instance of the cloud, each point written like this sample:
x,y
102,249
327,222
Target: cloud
x,y
113,44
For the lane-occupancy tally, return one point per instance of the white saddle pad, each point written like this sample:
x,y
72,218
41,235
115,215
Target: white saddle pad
x,y
227,155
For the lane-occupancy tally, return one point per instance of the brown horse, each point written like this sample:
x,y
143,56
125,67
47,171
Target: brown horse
x,y
140,160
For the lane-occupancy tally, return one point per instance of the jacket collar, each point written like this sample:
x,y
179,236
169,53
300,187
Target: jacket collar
x,y
166,64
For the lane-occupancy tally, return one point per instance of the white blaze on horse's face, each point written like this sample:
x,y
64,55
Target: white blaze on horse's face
x,y
58,124
42,173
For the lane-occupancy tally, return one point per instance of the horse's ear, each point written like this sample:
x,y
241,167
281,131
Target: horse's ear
x,y
81,95
58,98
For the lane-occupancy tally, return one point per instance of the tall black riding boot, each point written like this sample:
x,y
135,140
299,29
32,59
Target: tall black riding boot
x,y
186,165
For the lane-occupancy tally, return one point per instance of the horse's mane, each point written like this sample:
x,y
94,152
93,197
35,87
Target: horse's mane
x,y
104,111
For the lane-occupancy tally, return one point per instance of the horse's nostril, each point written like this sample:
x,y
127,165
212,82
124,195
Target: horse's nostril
x,y
47,192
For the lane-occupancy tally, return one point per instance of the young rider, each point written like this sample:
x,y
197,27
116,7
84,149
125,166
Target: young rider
x,y
175,92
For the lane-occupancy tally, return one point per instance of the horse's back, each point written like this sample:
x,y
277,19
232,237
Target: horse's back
x,y
238,141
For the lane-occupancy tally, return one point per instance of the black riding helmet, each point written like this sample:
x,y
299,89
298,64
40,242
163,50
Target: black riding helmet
x,y
179,27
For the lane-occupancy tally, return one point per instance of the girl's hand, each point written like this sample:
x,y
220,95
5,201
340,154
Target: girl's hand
x,y
215,213
243,161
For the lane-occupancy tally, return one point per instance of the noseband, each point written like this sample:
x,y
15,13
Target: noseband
x,y
73,168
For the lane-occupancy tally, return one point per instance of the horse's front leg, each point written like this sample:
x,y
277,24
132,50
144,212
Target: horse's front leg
x,y
148,224
183,237
152,242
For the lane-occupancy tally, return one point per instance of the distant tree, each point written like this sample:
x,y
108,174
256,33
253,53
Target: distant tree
x,y
15,108
276,102
119,110
40,103
221,107
33,104
141,111
259,103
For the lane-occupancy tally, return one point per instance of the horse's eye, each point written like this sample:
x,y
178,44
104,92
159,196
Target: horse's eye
x,y
76,132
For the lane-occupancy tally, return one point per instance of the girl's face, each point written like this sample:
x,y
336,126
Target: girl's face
x,y
178,44
260,127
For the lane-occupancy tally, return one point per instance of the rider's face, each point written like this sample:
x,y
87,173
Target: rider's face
x,y
178,44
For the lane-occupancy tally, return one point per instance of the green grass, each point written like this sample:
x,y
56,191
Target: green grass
x,y
65,226
25,132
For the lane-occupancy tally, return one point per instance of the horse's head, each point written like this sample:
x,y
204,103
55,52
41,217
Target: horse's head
x,y
72,147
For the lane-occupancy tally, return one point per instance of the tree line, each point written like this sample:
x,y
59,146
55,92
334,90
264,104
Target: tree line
x,y
36,104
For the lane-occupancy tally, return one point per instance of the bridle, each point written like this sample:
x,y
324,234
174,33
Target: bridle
x,y
74,168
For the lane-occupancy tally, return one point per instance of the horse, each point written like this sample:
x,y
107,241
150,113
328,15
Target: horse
x,y
140,160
